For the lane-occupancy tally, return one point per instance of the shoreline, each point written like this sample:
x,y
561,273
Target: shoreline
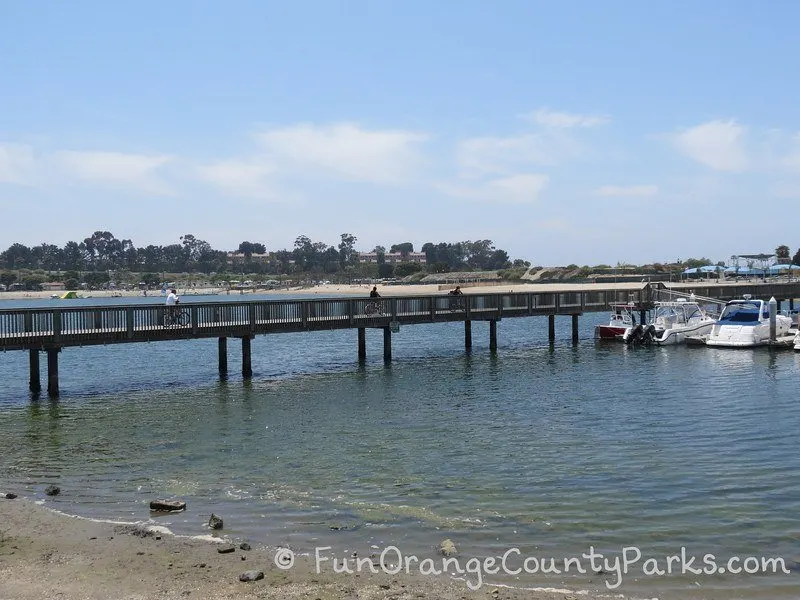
x,y
45,553
361,290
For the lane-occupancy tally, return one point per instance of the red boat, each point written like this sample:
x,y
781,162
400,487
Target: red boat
x,y
622,317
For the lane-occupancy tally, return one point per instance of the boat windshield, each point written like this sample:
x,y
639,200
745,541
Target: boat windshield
x,y
741,312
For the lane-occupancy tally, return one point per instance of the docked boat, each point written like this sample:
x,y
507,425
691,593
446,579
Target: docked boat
x,y
622,318
745,324
797,341
673,322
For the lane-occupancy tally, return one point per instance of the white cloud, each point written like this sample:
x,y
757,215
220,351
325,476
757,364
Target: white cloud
x,y
134,169
241,177
716,144
16,164
345,150
792,160
521,188
552,118
630,190
507,155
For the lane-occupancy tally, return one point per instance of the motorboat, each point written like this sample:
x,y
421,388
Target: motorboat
x,y
746,323
673,322
622,318
797,341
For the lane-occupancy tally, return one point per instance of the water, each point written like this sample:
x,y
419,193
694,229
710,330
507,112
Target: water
x,y
549,449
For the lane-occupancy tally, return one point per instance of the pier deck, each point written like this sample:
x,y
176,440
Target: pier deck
x,y
53,328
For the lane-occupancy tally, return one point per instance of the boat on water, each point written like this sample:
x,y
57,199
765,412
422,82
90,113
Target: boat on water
x,y
673,322
745,324
622,318
797,341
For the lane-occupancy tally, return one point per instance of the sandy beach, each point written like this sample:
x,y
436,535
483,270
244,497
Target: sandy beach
x,y
334,289
46,554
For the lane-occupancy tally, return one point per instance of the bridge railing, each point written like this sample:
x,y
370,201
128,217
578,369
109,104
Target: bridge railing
x,y
94,324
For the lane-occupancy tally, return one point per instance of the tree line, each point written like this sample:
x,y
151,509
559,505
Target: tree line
x,y
102,252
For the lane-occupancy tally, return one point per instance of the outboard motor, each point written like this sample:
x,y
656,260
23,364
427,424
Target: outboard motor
x,y
632,334
641,335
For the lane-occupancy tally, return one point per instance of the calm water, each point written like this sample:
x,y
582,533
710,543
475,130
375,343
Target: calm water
x,y
547,449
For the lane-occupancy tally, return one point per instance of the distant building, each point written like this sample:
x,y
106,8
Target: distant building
x,y
393,258
53,286
239,257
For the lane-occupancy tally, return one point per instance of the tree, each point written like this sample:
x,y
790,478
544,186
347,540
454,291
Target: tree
x,y
406,268
385,270
796,258
405,248
347,255
783,253
18,256
250,248
380,254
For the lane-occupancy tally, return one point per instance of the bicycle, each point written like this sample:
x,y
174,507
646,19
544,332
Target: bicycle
x,y
373,308
175,317
457,304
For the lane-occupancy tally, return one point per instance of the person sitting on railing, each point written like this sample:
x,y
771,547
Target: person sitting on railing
x,y
374,293
457,291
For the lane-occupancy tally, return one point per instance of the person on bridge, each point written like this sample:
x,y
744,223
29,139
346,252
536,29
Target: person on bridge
x,y
172,300
457,291
374,293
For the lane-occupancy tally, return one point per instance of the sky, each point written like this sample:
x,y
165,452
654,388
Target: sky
x,y
566,132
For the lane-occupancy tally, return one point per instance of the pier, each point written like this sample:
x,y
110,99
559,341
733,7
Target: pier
x,y
49,330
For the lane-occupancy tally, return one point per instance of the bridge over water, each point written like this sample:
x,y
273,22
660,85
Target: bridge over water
x,y
51,329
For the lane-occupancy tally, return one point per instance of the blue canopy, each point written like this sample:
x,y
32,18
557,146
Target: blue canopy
x,y
703,269
783,268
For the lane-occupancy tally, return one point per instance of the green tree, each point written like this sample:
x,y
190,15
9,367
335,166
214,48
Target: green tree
x,y
783,252
405,248
347,253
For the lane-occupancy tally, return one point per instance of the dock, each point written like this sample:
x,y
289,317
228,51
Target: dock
x,y
52,329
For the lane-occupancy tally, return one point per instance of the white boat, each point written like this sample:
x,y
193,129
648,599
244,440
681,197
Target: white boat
x,y
745,324
797,341
675,320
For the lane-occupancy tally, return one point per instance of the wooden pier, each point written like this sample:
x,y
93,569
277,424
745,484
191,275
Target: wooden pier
x,y
49,330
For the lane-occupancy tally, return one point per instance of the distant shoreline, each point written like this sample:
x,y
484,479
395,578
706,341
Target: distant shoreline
x,y
363,290
330,289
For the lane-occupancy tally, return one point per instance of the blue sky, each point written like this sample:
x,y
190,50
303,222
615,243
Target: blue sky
x,y
567,132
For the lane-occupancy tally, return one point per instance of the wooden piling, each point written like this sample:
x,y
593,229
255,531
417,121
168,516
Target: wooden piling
x,y
387,344
247,367
468,335
362,343
52,372
222,346
493,335
35,383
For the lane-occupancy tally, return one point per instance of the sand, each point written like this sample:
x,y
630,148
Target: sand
x,y
334,289
45,554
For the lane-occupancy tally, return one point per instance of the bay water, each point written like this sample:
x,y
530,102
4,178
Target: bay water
x,y
548,449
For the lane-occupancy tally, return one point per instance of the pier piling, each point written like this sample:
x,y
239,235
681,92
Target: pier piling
x,y
387,344
574,329
468,335
493,335
551,328
52,371
222,345
362,343
247,367
35,379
